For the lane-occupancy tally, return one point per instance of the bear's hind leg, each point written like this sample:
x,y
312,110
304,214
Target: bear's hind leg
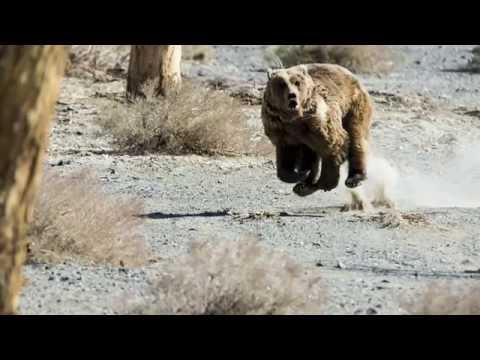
x,y
357,124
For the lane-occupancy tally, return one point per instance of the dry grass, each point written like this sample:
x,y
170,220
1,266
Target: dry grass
x,y
474,63
442,299
233,278
106,62
100,62
360,59
75,220
196,120
200,53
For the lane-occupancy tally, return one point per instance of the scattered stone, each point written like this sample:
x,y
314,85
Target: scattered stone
x,y
62,163
372,311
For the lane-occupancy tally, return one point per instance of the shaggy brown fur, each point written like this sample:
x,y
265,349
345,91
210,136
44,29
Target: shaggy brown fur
x,y
317,112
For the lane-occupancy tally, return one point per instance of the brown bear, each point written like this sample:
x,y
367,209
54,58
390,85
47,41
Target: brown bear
x,y
313,113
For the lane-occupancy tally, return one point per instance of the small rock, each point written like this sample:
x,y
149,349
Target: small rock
x,y
319,264
64,278
372,311
340,265
62,163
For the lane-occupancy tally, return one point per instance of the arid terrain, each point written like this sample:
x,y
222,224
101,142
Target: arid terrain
x,y
426,124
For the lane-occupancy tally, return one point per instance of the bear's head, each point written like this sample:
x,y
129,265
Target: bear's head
x,y
288,90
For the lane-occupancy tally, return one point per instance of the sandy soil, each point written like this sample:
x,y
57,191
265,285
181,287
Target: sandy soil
x,y
427,123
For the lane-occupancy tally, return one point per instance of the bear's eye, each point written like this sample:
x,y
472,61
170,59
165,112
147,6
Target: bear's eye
x,y
281,85
297,83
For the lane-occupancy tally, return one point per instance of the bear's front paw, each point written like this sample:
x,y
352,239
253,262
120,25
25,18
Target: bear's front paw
x,y
355,180
302,189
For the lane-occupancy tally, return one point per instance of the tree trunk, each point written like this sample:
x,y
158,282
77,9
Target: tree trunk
x,y
30,78
154,70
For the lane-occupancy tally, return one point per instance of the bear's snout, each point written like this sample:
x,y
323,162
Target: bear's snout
x,y
292,101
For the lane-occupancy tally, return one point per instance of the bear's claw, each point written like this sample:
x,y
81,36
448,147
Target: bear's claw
x,y
355,181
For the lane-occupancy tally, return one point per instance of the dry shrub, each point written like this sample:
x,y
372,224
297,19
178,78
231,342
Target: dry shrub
x,y
100,62
104,62
233,278
196,120
442,299
474,63
472,66
360,59
201,53
75,220
291,55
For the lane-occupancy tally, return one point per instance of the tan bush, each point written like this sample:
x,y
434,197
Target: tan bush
x,y
362,59
75,220
233,278
201,53
104,62
197,120
474,63
99,62
442,299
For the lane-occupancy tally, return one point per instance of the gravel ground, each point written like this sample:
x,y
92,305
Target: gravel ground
x,y
426,123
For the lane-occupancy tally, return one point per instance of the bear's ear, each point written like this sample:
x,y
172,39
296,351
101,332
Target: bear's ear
x,y
304,69
269,73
